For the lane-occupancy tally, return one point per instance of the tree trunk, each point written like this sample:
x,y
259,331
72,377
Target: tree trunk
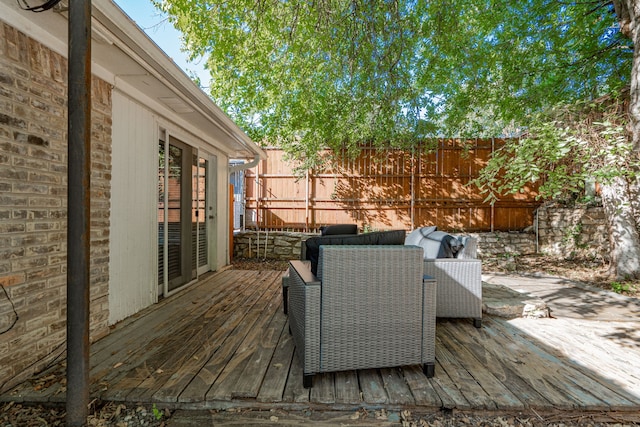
x,y
620,197
623,230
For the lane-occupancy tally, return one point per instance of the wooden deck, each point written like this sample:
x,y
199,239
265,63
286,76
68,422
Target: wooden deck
x,y
224,343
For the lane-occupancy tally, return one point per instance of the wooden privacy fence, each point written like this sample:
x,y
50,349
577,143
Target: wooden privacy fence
x,y
384,189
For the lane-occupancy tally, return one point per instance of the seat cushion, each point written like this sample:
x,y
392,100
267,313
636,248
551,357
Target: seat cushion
x,y
393,237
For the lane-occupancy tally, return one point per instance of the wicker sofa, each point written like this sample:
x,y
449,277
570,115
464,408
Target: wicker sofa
x,y
458,274
368,307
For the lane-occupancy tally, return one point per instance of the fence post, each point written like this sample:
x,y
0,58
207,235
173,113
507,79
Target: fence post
x,y
413,188
493,209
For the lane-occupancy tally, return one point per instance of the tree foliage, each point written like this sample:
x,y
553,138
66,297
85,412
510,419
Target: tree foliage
x,y
563,149
305,75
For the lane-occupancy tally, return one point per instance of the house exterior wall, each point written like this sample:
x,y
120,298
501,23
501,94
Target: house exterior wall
x,y
134,209
33,205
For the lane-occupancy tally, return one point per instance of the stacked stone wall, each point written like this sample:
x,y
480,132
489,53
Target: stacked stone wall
x,y
565,232
571,232
33,205
273,245
492,244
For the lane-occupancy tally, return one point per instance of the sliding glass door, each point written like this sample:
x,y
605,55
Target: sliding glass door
x,y
186,214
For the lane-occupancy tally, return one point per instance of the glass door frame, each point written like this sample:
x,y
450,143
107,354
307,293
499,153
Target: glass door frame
x,y
209,212
189,204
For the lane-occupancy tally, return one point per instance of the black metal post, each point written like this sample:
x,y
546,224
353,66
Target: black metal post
x,y
78,211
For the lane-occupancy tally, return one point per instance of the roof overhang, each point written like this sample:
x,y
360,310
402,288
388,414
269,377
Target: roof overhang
x,y
124,55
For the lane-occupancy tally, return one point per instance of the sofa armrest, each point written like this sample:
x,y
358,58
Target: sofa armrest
x,y
459,286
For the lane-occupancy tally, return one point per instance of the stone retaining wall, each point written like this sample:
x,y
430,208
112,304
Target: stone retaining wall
x,y
573,232
566,232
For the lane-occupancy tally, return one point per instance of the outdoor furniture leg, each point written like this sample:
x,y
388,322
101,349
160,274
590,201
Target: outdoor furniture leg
x,y
285,293
477,323
307,381
429,369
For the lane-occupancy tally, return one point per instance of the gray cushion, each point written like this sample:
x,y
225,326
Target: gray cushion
x,y
418,234
436,244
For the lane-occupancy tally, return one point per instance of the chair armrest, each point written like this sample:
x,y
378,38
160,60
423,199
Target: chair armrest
x,y
304,314
304,272
459,286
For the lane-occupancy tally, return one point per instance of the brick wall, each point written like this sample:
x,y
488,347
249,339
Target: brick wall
x,y
33,205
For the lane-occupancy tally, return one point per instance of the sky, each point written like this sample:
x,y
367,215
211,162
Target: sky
x,y
162,32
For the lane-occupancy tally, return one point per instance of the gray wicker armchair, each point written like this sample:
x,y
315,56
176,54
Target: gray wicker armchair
x,y
369,307
459,278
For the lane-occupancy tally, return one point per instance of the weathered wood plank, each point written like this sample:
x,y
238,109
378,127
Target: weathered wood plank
x,y
421,388
609,344
247,336
347,388
373,392
167,388
589,365
233,322
490,355
156,331
184,347
502,397
194,380
540,372
294,391
564,379
275,379
253,373
396,387
323,390
464,381
447,391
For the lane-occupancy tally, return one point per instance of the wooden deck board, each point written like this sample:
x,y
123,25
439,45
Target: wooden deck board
x,y
275,378
225,341
594,366
293,391
251,377
193,381
463,380
151,342
578,387
187,345
347,388
396,387
244,342
499,393
501,371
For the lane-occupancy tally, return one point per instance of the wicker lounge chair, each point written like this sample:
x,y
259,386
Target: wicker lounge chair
x,y
459,279
459,287
369,307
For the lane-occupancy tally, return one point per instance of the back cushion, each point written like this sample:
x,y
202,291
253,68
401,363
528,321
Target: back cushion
x,y
331,230
393,237
436,244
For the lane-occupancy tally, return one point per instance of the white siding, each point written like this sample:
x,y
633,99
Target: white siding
x,y
133,266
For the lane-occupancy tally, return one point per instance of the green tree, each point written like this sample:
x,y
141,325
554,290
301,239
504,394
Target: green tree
x,y
310,74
